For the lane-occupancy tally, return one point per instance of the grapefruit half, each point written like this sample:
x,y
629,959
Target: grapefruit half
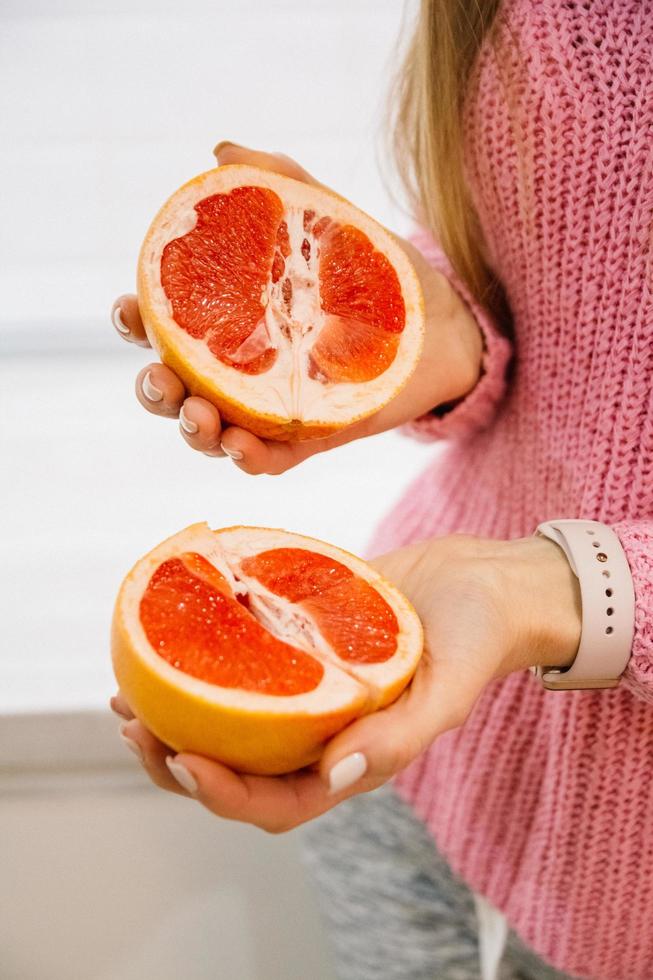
x,y
254,646
280,302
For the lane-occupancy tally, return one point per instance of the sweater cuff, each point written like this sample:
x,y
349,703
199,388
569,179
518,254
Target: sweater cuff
x,y
637,541
476,409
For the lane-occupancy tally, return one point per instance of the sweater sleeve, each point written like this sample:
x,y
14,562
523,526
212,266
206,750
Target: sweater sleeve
x,y
637,541
476,410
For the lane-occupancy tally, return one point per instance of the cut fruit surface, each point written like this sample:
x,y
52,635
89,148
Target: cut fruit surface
x,y
292,311
351,615
254,646
198,626
216,275
364,312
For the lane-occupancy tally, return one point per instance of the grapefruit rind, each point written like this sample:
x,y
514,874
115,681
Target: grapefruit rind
x,y
248,731
261,403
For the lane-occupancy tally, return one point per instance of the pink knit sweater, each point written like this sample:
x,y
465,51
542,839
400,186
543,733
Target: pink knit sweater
x,y
543,801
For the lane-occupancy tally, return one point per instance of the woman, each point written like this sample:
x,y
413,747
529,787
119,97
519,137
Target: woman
x,y
525,132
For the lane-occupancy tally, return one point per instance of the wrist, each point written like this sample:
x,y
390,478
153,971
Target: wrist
x,y
453,342
545,593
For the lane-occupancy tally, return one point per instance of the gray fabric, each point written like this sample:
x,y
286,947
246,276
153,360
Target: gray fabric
x,y
392,907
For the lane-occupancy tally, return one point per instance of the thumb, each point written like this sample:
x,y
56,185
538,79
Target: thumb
x,y
372,750
227,153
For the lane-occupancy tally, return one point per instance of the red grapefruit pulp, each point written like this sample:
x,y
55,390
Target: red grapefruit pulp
x,y
254,646
279,301
355,620
197,625
238,269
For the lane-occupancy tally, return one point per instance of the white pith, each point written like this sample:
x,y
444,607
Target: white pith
x,y
342,681
290,330
285,390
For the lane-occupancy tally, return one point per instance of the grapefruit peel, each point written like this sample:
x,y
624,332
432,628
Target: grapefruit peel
x,y
284,401
248,730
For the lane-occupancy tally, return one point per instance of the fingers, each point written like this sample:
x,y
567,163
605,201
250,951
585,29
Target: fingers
x,y
152,754
256,456
159,390
229,153
375,748
120,707
126,319
275,804
199,424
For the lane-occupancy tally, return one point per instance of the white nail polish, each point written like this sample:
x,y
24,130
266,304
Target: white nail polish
x,y
346,772
131,744
151,392
119,323
185,778
232,453
187,425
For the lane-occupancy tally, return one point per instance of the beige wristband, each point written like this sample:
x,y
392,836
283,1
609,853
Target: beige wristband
x,y
597,559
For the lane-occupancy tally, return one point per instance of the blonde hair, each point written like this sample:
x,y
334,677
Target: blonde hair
x,y
426,127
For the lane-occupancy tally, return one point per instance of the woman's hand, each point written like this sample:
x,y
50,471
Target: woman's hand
x,y
488,608
448,369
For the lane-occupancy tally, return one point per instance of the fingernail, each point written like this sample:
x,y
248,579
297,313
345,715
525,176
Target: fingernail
x,y
183,776
119,323
187,425
113,704
231,453
346,772
131,744
217,149
150,391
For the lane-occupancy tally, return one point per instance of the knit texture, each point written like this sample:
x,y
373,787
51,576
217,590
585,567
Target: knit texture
x,y
478,407
543,801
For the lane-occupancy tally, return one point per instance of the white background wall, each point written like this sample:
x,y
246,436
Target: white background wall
x,y
105,108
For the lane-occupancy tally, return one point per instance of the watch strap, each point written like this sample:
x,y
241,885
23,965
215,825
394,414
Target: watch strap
x,y
599,562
